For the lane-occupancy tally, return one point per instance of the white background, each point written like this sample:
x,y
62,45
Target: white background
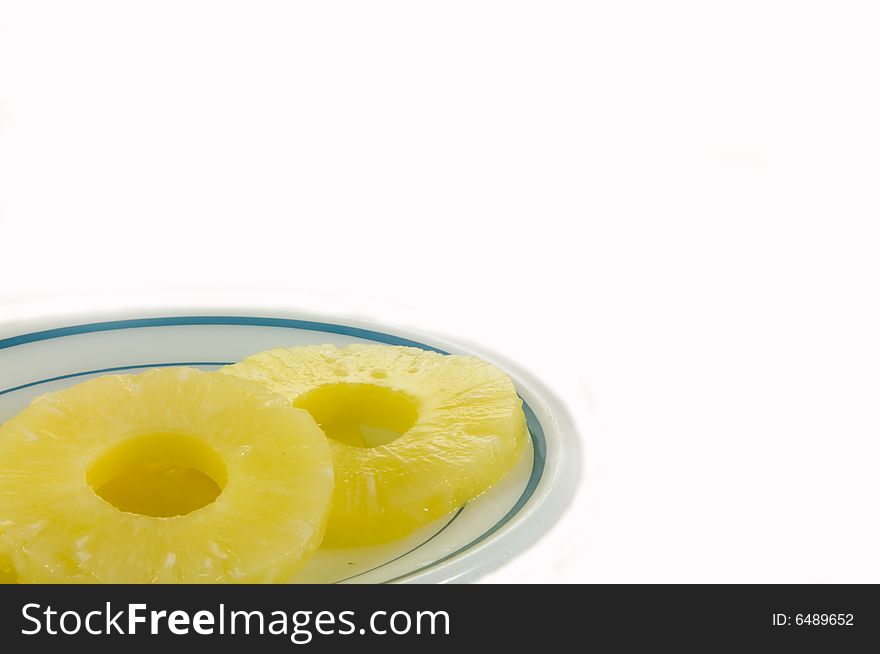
x,y
667,210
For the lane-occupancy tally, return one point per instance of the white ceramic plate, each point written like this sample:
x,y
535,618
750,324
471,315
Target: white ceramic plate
x,y
55,353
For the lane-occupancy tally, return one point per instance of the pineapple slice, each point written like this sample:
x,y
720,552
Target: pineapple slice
x,y
414,434
173,475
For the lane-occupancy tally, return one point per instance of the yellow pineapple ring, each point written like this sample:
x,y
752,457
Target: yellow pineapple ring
x,y
174,475
414,434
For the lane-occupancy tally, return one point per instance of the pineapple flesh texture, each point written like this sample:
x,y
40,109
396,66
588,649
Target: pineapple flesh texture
x,y
7,572
173,475
414,434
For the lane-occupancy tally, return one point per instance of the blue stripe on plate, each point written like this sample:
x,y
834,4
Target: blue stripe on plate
x,y
177,321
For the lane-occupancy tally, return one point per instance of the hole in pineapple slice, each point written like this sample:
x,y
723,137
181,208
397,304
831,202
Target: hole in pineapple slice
x,y
160,475
363,415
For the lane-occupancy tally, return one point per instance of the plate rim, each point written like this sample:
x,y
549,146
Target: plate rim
x,y
551,492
